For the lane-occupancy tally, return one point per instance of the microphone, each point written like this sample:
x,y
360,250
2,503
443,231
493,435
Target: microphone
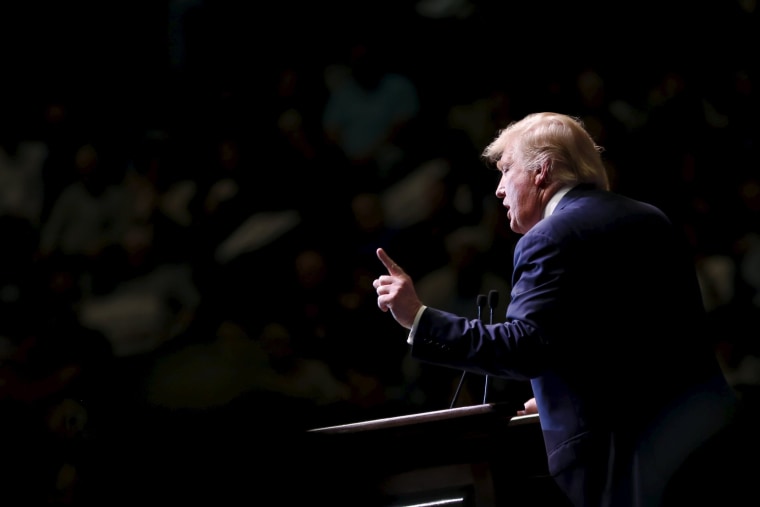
x,y
481,302
481,305
493,301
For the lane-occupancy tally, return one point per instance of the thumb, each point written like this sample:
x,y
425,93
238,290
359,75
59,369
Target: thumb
x,y
390,265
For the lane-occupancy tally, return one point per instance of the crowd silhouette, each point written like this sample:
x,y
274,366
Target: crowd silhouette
x,y
190,217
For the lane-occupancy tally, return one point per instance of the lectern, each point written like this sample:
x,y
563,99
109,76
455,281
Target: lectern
x,y
479,456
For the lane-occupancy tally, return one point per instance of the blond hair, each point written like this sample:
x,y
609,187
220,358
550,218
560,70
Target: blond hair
x,y
560,141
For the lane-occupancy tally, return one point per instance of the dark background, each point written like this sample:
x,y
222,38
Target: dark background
x,y
207,392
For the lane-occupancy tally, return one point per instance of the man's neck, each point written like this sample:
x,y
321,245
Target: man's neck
x,y
555,198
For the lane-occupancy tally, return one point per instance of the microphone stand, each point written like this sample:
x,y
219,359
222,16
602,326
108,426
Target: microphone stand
x,y
481,302
493,301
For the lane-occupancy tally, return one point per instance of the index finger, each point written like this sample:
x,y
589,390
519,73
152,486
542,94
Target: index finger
x,y
389,264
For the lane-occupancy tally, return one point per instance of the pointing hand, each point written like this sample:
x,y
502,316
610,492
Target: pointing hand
x,y
395,292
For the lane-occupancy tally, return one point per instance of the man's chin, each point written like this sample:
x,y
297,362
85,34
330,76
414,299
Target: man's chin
x,y
516,228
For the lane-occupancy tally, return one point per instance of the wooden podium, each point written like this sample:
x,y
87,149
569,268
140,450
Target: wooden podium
x,y
481,455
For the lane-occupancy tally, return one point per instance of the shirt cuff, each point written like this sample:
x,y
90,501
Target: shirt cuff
x,y
412,331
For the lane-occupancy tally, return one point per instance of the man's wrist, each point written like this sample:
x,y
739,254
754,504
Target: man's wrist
x,y
412,331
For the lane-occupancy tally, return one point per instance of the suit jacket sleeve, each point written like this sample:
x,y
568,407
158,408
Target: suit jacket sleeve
x,y
513,348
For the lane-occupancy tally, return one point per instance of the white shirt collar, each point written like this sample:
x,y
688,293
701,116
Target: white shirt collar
x,y
552,204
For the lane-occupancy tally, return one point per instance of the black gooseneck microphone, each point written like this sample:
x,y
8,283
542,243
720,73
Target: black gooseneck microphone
x,y
493,301
481,302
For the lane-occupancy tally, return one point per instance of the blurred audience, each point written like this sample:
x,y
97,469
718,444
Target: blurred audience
x,y
215,264
369,115
89,217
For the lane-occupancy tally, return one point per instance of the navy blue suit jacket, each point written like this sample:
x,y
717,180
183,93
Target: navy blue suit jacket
x,y
606,320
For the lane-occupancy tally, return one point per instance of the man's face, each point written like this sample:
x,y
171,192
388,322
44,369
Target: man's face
x,y
518,190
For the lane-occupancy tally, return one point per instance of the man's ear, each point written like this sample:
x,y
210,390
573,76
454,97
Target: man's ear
x,y
541,179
